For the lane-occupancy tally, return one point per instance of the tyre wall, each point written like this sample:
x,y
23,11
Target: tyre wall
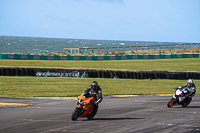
x,y
43,72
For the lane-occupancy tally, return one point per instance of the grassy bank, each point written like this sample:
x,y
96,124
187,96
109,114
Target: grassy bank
x,y
181,64
62,86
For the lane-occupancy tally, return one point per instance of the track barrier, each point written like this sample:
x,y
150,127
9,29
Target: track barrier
x,y
86,73
98,57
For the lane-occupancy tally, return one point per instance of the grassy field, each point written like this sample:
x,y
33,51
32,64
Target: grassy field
x,y
182,64
18,86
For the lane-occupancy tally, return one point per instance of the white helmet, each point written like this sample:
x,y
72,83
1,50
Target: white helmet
x,y
189,83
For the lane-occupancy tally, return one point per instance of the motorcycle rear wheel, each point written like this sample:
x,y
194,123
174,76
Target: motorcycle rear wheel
x,y
76,113
91,116
186,103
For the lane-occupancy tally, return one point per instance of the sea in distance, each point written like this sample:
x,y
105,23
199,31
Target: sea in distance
x,y
10,44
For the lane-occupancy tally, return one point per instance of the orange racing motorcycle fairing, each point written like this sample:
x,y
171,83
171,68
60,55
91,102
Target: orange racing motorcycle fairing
x,y
84,107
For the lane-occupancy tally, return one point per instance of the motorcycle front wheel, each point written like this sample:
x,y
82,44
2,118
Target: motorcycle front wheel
x,y
171,102
76,113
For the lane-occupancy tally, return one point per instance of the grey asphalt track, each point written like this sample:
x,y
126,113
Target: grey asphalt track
x,y
140,114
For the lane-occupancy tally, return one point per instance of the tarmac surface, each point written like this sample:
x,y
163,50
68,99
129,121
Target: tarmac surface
x,y
136,114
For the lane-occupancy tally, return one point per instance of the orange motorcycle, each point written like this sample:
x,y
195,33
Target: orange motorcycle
x,y
84,107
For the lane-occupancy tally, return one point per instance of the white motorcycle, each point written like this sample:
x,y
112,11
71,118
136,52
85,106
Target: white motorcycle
x,y
179,98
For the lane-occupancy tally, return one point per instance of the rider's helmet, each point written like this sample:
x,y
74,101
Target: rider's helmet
x,y
94,85
189,83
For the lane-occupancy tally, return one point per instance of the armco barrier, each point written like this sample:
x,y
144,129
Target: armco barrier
x,y
98,57
51,72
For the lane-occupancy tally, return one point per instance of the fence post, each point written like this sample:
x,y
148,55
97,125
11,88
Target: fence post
x,y
130,48
111,49
136,48
105,49
124,48
191,45
118,49
154,47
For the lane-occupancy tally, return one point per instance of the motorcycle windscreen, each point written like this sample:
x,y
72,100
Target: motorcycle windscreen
x,y
87,95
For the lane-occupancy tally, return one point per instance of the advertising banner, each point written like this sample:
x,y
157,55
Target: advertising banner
x,y
61,73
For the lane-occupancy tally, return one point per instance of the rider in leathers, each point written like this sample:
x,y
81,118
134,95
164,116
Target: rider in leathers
x,y
95,90
190,87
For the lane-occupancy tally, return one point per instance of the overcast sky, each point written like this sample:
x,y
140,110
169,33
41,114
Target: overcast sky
x,y
128,20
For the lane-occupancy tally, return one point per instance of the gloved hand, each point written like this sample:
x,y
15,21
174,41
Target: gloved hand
x,y
96,103
186,95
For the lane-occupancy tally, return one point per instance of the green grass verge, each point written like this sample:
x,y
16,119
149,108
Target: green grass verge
x,y
62,86
181,64
25,86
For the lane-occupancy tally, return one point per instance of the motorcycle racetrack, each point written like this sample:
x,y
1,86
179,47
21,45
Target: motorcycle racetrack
x,y
139,114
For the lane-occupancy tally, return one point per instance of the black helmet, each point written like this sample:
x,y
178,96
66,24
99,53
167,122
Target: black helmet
x,y
94,85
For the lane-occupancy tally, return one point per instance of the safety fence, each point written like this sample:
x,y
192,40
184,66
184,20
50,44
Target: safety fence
x,y
98,57
87,73
100,50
